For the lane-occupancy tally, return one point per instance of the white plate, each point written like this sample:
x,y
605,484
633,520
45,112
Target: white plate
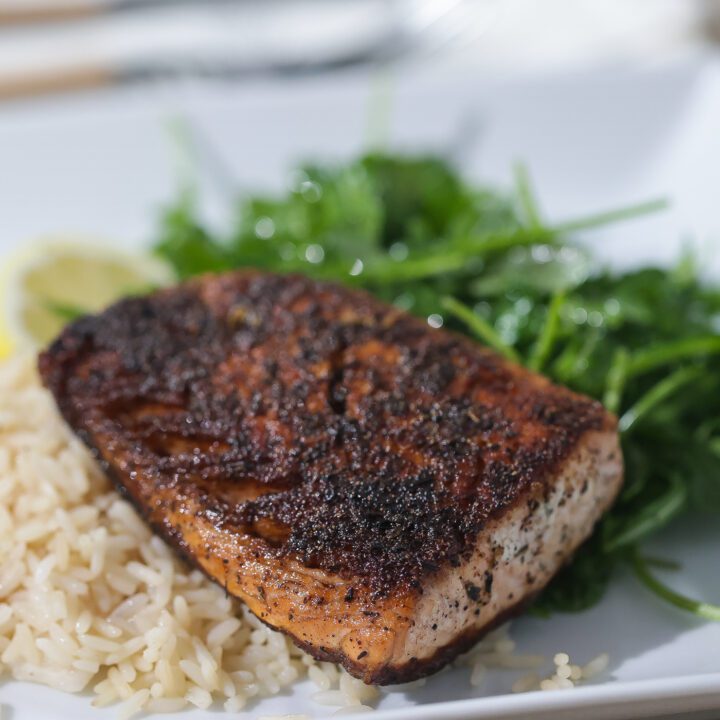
x,y
101,166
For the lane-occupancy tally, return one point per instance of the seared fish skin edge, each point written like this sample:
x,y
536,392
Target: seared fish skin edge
x,y
381,491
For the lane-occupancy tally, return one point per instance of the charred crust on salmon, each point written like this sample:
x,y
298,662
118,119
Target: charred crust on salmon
x,y
281,426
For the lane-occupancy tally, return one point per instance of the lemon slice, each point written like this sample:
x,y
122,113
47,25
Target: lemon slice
x,y
50,281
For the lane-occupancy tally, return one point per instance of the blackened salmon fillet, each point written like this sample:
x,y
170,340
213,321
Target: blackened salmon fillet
x,y
381,491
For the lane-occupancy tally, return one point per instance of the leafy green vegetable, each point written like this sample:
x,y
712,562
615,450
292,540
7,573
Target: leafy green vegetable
x,y
701,609
664,389
624,532
616,378
186,244
579,585
480,327
65,312
412,231
542,349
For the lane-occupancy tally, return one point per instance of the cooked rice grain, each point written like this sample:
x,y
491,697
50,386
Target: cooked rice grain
x,y
89,598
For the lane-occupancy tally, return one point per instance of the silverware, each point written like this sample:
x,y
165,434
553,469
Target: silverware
x,y
415,29
22,13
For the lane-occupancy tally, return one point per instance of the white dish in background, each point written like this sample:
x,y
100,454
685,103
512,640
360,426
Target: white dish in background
x,y
100,165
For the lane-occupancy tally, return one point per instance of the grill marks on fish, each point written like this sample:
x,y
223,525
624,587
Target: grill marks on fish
x,y
325,429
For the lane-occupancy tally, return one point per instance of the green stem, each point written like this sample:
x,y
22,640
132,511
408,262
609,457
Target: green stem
x,y
659,355
662,563
572,362
479,326
537,234
379,111
65,311
184,155
548,335
591,222
498,242
653,516
616,377
656,394
526,197
697,607
414,268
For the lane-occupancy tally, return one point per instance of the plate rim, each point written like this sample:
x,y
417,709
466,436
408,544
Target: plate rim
x,y
664,696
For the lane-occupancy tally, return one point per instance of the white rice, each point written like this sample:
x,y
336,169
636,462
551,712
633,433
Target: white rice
x,y
90,599
496,651
565,676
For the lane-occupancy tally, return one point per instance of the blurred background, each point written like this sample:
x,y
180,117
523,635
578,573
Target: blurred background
x,y
89,87
63,45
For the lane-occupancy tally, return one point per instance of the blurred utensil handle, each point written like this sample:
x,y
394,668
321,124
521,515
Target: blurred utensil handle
x,y
15,87
30,83
23,13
